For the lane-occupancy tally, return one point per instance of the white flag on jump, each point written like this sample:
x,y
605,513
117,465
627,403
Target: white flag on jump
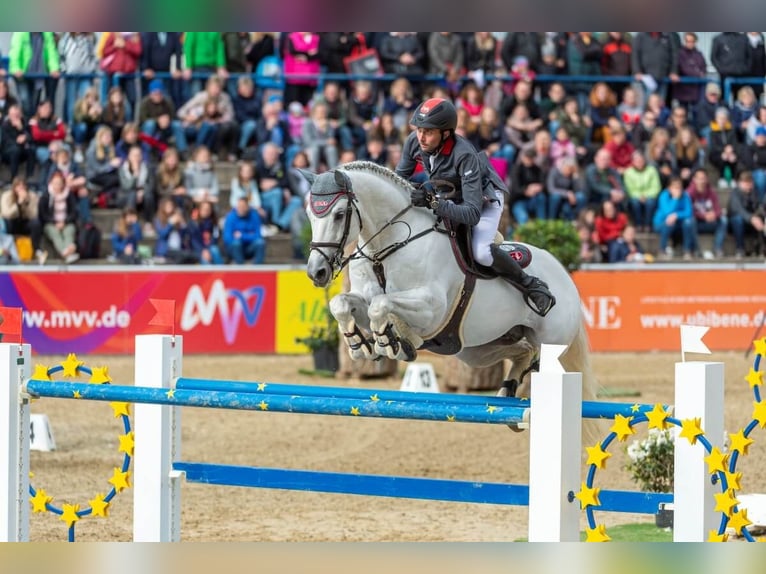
x,y
691,339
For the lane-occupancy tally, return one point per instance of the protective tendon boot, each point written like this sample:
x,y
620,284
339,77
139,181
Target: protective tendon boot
x,y
535,291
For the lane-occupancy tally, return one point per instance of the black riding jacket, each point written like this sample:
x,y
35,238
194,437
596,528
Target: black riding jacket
x,y
457,162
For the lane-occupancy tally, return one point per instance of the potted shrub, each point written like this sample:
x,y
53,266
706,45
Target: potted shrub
x,y
323,340
557,236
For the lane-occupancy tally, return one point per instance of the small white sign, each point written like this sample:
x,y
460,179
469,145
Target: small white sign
x,y
41,433
420,378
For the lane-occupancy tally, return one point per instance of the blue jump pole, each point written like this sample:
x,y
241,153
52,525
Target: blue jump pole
x,y
362,407
590,409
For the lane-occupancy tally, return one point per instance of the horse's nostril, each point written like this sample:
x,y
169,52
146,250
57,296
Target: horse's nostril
x,y
321,274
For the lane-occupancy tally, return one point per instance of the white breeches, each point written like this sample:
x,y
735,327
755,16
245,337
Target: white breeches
x,y
485,231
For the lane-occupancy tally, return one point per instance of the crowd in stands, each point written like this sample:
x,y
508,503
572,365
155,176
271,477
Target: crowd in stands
x,y
623,135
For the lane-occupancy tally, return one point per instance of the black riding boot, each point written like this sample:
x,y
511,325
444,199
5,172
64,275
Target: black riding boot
x,y
535,291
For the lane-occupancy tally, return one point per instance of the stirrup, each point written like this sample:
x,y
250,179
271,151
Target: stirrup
x,y
531,304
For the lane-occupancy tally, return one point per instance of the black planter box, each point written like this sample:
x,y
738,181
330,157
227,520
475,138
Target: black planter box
x,y
326,359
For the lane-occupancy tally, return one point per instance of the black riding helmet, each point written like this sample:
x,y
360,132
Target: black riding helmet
x,y
435,113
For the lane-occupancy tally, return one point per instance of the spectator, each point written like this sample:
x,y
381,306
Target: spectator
x,y
9,254
657,105
629,112
756,162
244,185
708,216
271,177
480,56
200,179
757,120
687,154
177,241
678,117
117,112
262,47
627,249
319,139
602,182
137,187
401,53
616,59
526,44
301,58
541,144
101,167
235,47
704,113
552,106
247,112
73,177
603,106
610,224
655,54
19,210
6,99
757,61
122,54
15,142
562,146
576,125
642,133
338,113
445,55
400,103
566,191
743,109
554,52
205,55
521,72
210,234
620,149
519,130
374,151
747,214
44,128
583,59
77,59
208,116
242,234
589,251
162,53
388,132
87,118
335,47
489,135
363,111
659,154
300,187
471,98
129,137
691,64
33,60
522,94
730,55
723,146
170,181
528,197
58,216
674,215
158,113
126,237
642,185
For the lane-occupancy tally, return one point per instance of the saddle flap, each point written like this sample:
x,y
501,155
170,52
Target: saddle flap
x,y
461,238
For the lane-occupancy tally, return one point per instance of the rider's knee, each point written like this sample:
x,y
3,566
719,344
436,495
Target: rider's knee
x,y
483,255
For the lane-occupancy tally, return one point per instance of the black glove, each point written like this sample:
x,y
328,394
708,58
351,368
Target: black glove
x,y
422,196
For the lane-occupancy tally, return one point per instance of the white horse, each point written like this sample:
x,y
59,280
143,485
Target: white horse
x,y
406,282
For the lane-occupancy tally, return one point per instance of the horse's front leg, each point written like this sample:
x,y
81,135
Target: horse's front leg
x,y
350,310
397,318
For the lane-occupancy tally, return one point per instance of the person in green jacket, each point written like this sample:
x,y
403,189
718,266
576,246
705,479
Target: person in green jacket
x,y
31,55
205,54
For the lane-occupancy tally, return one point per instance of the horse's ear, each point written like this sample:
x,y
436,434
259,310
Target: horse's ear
x,y
341,179
310,177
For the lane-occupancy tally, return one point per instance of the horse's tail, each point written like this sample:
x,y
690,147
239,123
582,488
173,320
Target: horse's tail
x,y
576,359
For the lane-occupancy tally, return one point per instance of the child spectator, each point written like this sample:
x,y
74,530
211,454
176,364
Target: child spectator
x,y
137,187
58,216
242,234
562,146
19,210
74,177
244,185
296,117
674,215
101,167
747,214
177,242
200,179
374,151
210,234
629,112
610,224
627,249
642,185
126,236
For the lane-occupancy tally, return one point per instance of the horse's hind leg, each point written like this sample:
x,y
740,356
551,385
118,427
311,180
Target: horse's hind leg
x,y
350,310
522,356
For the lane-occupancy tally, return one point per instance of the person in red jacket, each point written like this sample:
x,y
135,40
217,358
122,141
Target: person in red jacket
x,y
620,148
45,128
122,54
608,229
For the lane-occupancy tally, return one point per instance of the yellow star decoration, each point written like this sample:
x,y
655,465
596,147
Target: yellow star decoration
x,y
374,398
715,537
120,480
40,373
740,443
491,409
622,428
716,461
690,429
100,376
597,534
99,506
171,394
261,386
127,443
754,378
760,347
588,496
759,413
657,417
263,405
355,411
71,365
70,514
635,408
597,456
451,418
739,520
39,500
76,395
120,409
725,502
733,480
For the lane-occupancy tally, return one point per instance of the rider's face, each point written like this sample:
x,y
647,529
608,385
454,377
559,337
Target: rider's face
x,y
429,139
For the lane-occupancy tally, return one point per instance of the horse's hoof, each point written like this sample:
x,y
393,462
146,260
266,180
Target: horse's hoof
x,y
410,354
515,427
510,387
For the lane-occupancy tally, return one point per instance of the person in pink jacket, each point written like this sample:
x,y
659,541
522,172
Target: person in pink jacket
x,y
122,53
301,55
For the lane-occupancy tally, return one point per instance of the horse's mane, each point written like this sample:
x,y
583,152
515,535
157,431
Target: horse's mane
x,y
379,170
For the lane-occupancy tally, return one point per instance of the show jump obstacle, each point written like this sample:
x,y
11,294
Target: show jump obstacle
x,y
555,496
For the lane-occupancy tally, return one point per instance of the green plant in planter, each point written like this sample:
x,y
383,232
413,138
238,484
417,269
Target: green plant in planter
x,y
324,335
557,236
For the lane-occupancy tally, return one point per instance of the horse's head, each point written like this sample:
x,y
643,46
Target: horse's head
x,y
334,218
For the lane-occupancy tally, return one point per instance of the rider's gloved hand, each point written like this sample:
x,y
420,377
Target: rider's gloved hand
x,y
423,196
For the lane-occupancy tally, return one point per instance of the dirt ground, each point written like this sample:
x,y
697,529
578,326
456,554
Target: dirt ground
x,y
86,434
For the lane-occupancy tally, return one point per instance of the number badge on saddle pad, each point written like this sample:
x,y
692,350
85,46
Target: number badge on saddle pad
x,y
519,252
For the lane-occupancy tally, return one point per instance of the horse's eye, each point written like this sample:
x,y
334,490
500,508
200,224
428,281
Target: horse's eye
x,y
339,215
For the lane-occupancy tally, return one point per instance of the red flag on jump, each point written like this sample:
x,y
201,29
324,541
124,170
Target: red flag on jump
x,y
10,321
165,313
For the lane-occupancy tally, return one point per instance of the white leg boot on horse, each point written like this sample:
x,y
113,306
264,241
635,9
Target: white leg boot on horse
x,y
535,291
350,310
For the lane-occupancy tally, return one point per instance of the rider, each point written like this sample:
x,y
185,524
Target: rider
x,y
450,161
